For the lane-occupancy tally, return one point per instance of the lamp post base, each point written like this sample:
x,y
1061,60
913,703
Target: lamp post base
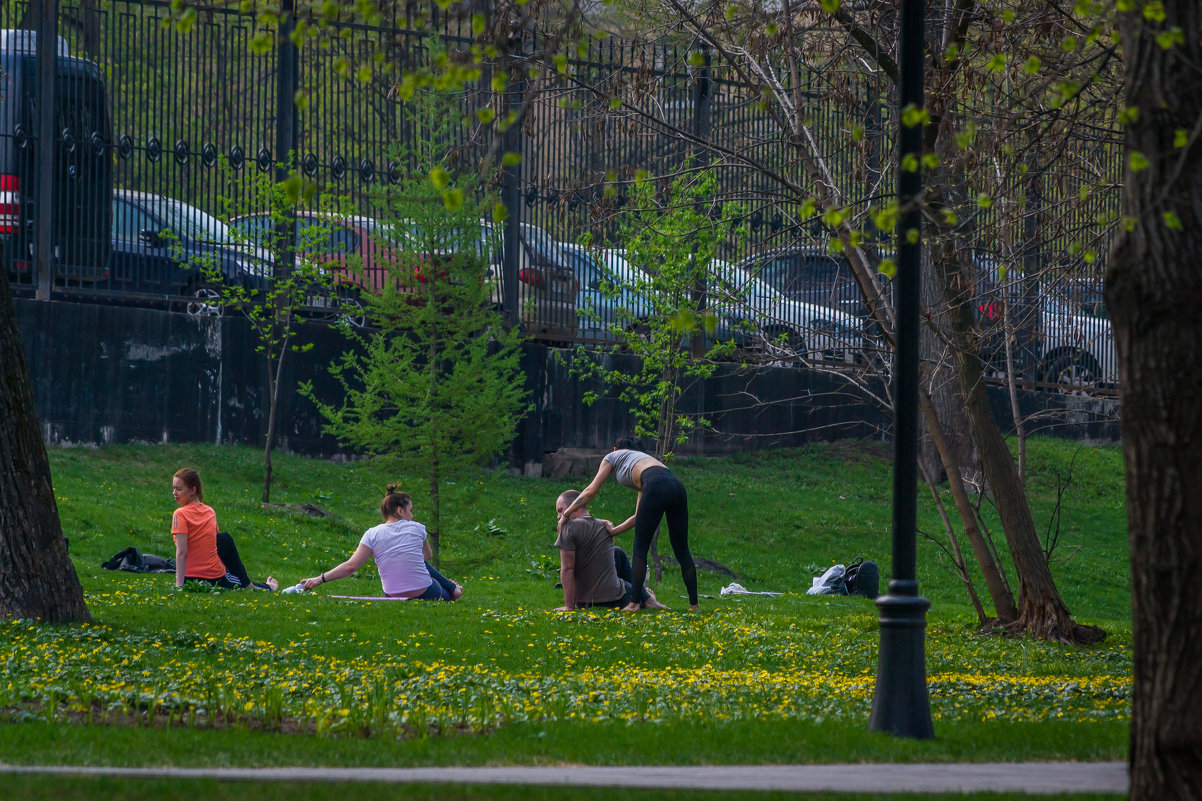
x,y
901,706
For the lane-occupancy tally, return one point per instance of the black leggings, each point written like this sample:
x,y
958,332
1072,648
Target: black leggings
x,y
663,497
235,576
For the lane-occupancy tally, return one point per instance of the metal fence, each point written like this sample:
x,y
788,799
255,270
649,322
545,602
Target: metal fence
x,y
199,118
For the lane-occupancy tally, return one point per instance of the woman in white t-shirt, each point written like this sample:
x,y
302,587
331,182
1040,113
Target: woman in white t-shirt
x,y
402,554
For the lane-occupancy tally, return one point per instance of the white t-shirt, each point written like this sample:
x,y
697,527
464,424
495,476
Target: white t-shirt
x,y
397,549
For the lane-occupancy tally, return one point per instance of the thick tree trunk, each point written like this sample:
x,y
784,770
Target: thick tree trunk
x,y
39,580
1153,290
1041,611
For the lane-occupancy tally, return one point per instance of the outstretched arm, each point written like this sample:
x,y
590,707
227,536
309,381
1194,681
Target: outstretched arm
x,y
626,524
588,493
361,555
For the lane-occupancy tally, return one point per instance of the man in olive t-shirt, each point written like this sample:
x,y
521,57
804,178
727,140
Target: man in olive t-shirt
x,y
586,561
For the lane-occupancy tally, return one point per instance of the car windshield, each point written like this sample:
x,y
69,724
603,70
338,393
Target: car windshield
x,y
187,222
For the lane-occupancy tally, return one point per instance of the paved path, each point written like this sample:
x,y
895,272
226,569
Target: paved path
x,y
1030,777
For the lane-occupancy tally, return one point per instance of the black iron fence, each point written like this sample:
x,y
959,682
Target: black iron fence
x,y
185,119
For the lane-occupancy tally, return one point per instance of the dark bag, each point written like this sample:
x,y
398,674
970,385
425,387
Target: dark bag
x,y
134,561
863,578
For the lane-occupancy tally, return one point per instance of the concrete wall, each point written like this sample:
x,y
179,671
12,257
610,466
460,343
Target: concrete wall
x,y
107,374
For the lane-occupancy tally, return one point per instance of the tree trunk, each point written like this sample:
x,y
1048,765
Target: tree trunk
x,y
1041,611
1153,290
995,580
39,579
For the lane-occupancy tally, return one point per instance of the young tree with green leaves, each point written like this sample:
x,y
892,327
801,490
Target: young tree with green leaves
x,y
437,386
673,244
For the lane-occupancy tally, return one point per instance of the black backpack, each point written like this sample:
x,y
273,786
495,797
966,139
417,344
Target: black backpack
x,y
863,578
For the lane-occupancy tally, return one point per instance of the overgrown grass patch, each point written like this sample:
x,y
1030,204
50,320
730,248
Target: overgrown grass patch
x,y
498,677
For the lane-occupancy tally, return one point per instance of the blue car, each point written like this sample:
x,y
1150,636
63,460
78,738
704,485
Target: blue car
x,y
161,247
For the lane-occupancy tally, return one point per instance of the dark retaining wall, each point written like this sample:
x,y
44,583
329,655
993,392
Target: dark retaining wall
x,y
108,374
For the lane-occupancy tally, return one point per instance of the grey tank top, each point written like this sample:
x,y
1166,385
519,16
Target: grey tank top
x,y
623,463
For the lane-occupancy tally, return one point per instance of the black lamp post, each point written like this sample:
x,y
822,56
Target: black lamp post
x,y
901,705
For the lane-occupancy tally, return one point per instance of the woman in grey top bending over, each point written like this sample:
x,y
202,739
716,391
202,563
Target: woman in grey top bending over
x,y
661,495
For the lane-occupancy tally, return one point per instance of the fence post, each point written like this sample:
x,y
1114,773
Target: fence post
x,y
47,33
700,79
511,176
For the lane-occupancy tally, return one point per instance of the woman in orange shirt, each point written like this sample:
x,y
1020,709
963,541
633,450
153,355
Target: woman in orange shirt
x,y
202,553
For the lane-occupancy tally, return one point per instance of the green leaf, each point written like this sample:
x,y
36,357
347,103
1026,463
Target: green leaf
x,y
912,236
511,159
808,208
833,217
951,53
909,163
887,268
185,21
930,161
561,63
997,63
478,23
913,115
486,115
1138,161
452,199
1031,65
1154,11
363,74
830,6
1180,138
615,102
499,81
1173,221
696,58
261,43
1170,38
500,212
984,201
439,178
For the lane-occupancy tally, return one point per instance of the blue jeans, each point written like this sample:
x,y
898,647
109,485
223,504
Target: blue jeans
x,y
441,588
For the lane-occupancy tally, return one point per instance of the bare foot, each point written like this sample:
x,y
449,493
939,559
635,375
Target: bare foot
x,y
631,607
695,607
272,583
457,593
652,603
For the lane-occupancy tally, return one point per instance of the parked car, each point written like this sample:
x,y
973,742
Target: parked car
x,y
1077,346
83,166
608,296
160,245
808,274
357,253
791,329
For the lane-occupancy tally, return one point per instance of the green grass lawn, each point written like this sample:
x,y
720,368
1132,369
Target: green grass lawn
x,y
233,678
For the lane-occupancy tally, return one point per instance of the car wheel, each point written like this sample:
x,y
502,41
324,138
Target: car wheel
x,y
1072,372
350,309
204,300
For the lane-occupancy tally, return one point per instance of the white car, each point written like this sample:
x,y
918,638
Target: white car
x,y
1076,349
792,329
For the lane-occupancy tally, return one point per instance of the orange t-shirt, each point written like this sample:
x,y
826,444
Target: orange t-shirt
x,y
198,523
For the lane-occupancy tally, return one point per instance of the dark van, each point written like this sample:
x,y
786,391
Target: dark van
x,y
83,164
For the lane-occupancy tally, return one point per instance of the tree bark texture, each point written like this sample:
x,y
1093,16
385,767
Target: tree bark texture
x,y
39,580
1153,289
